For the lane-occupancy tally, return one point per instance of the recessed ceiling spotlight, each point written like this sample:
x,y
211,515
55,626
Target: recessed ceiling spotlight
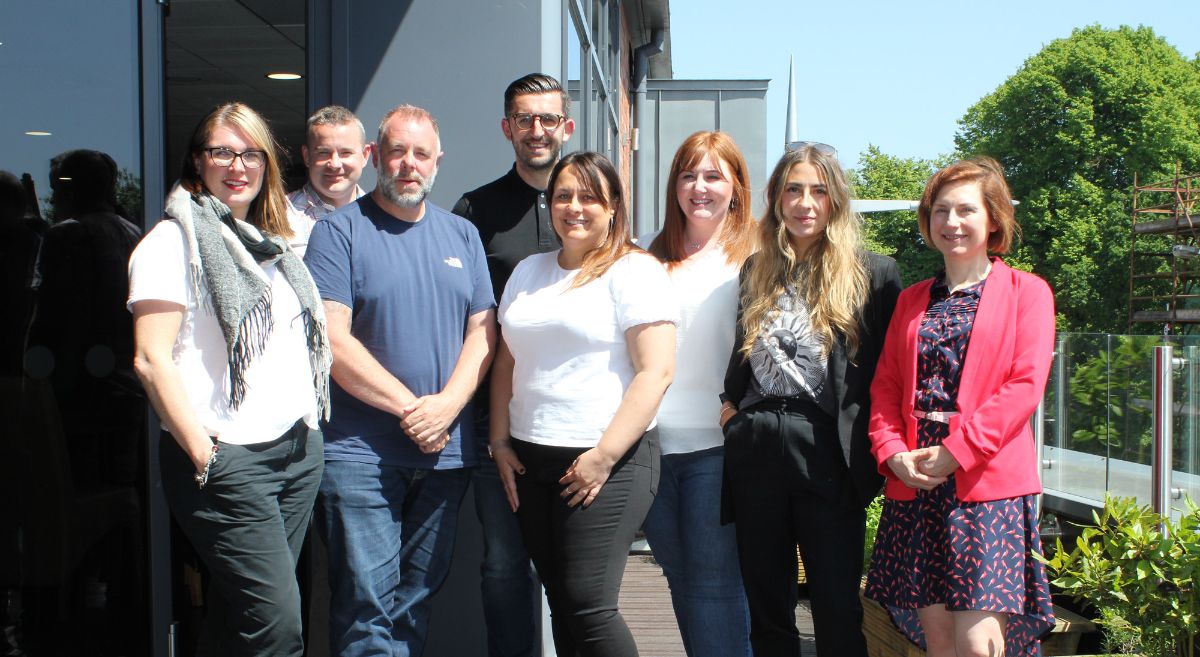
x,y
37,133
284,76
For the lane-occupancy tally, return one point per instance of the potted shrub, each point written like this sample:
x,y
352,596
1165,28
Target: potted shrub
x,y
1140,578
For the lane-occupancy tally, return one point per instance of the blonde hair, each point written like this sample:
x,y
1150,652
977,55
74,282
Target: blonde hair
x,y
737,230
268,210
830,276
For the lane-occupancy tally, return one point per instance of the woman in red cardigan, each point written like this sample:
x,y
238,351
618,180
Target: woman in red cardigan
x,y
963,367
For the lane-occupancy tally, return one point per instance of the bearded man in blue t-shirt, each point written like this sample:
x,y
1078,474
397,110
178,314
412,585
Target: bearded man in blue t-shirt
x,y
412,323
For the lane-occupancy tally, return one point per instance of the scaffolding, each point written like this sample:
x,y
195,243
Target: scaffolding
x,y
1164,255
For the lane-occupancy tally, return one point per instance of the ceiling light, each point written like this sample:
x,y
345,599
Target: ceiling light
x,y
37,133
284,76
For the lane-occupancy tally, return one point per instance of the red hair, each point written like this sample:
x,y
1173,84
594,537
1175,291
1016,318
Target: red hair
x,y
737,231
988,173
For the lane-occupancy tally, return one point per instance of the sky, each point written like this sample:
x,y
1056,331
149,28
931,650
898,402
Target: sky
x,y
897,74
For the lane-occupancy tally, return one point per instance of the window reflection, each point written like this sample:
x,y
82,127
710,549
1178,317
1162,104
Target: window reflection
x,y
72,461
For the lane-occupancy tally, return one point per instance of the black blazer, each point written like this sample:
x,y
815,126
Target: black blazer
x,y
849,381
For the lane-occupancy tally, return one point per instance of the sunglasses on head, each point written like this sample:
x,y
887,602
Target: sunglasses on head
x,y
824,149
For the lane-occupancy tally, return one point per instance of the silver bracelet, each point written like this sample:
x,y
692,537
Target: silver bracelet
x,y
201,477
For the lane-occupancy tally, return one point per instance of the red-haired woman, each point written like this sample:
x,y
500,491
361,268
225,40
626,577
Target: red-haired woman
x,y
708,232
963,367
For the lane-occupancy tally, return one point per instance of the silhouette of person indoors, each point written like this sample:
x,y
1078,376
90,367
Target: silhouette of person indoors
x,y
20,239
81,336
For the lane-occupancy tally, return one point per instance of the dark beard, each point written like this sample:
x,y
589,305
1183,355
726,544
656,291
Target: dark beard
x,y
551,160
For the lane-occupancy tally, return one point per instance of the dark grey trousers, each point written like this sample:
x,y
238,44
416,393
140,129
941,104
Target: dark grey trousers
x,y
248,525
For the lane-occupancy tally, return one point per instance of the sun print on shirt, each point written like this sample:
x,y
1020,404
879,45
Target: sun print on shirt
x,y
788,357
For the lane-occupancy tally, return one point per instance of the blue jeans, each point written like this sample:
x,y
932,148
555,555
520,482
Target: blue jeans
x,y
699,556
511,599
390,532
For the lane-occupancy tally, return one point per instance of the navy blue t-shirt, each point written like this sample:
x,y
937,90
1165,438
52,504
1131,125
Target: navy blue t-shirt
x,y
411,288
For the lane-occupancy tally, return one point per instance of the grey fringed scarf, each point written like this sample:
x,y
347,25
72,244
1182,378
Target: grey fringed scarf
x,y
234,288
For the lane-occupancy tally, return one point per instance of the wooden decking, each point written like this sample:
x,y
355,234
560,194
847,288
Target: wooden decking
x,y
646,605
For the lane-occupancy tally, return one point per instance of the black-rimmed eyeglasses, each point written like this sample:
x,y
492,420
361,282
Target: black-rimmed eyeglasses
x,y
251,159
524,120
824,149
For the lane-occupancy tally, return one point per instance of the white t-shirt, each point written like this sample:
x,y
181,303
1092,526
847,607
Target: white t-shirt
x,y
572,361
279,381
706,289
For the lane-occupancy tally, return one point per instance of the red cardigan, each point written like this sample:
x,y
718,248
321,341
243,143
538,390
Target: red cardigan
x,y
1003,377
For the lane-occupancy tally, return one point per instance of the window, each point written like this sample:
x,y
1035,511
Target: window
x,y
73,457
591,57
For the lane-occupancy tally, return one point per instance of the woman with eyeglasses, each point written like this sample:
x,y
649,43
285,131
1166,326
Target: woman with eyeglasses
x,y
230,344
963,368
708,232
798,470
587,350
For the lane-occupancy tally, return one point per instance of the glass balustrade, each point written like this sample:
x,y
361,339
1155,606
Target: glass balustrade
x,y
1098,417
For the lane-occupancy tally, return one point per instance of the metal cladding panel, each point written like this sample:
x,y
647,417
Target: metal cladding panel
x,y
744,117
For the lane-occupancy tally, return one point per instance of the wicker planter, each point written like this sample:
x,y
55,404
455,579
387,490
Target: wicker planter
x,y
884,640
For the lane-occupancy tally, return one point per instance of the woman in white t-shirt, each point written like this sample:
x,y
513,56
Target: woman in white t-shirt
x,y
230,344
708,232
587,352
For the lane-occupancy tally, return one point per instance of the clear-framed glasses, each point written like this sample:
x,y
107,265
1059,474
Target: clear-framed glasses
x,y
822,148
524,120
251,159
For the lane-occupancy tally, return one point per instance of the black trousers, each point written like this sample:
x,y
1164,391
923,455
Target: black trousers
x,y
580,553
784,493
247,525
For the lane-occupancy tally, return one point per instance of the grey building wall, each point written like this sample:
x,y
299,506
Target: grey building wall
x,y
452,57
677,108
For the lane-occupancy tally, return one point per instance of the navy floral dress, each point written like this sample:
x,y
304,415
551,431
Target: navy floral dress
x,y
939,549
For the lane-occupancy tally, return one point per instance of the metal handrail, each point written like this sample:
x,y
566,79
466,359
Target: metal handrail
x,y
1162,400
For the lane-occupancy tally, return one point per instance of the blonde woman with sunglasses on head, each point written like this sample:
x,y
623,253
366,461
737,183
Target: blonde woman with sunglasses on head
x,y
798,470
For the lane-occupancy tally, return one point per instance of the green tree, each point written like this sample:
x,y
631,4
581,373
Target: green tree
x,y
1071,128
882,176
